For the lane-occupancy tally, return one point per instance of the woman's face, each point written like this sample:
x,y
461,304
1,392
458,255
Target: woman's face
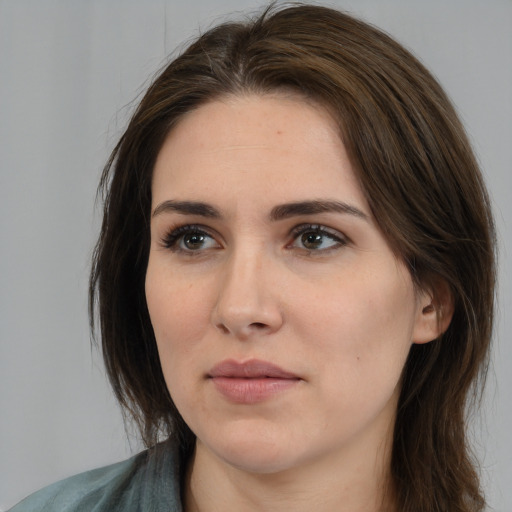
x,y
282,318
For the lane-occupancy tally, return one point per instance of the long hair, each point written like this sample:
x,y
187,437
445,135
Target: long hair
x,y
422,182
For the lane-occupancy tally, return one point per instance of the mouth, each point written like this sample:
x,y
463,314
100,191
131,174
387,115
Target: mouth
x,y
252,381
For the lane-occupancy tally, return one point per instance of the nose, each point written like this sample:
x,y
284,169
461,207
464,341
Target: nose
x,y
247,303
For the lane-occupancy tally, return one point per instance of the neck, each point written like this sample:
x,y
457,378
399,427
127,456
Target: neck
x,y
349,485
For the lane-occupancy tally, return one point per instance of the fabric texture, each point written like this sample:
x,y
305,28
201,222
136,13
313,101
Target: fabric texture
x,y
148,482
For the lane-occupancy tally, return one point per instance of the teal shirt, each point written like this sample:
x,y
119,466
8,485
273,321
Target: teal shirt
x,y
148,482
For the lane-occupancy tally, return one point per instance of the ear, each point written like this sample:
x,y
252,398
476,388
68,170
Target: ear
x,y
434,313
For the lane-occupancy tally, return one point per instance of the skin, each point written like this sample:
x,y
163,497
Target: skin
x,y
340,314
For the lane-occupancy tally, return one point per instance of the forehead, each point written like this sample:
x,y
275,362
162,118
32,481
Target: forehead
x,y
268,145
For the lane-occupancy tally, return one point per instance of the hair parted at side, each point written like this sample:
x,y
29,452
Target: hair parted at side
x,y
417,169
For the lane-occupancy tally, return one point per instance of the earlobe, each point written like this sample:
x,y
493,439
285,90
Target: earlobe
x,y
434,314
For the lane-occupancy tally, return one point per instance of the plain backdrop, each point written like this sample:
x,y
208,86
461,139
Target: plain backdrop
x,y
69,74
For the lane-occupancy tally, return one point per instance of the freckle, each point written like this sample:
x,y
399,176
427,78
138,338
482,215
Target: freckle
x,y
279,132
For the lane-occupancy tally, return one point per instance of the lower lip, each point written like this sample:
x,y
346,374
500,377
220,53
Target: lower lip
x,y
251,391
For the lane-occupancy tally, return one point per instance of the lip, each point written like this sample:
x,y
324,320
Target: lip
x,y
252,381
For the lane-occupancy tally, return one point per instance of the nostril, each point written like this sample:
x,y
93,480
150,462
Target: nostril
x,y
258,325
223,328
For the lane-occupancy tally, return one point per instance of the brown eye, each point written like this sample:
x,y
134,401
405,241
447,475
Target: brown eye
x,y
189,239
194,241
317,238
312,240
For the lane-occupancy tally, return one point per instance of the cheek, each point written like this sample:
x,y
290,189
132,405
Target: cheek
x,y
172,304
178,313
364,326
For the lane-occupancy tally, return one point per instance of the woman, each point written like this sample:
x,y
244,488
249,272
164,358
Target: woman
x,y
294,279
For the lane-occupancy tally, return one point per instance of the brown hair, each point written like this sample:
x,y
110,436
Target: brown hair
x,y
422,182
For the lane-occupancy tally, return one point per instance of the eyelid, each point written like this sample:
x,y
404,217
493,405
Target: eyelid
x,y
173,235
321,228
332,233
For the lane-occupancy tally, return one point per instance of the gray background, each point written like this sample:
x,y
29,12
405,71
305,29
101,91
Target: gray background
x,y
69,71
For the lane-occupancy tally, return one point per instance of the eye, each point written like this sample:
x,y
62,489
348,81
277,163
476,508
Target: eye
x,y
316,238
189,239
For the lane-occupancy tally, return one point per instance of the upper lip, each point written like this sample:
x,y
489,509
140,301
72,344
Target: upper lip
x,y
251,369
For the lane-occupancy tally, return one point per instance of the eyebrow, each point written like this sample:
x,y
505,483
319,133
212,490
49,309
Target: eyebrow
x,y
280,212
187,208
285,211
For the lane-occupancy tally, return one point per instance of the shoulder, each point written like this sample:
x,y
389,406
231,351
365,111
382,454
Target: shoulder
x,y
147,482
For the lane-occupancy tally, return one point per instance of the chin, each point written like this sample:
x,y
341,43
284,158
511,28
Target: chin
x,y
253,450
259,461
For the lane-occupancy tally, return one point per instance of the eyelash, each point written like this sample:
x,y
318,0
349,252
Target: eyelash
x,y
317,229
174,237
